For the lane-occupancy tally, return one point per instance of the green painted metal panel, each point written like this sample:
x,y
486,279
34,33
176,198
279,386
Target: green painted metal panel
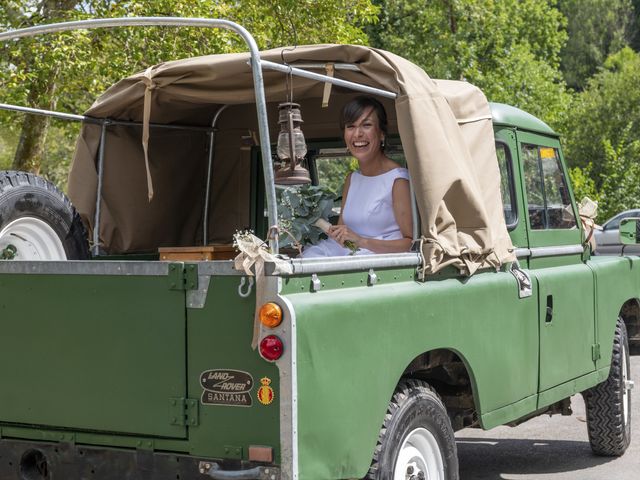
x,y
99,353
219,338
567,330
355,342
506,414
571,387
514,117
518,234
617,279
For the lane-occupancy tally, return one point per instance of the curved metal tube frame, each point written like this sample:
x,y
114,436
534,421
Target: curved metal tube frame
x,y
261,104
212,140
256,66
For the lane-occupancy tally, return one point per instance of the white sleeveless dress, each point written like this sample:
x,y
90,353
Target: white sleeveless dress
x,y
368,212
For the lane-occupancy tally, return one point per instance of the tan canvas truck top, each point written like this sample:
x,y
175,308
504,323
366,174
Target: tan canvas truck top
x,y
445,128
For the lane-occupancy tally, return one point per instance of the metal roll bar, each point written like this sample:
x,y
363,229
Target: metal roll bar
x,y
256,66
261,104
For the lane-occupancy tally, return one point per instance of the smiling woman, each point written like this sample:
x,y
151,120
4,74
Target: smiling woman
x,y
376,201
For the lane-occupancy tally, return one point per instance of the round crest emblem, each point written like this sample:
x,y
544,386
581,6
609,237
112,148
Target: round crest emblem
x,y
265,392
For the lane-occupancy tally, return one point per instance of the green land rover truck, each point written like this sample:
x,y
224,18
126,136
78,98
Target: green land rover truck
x,y
134,347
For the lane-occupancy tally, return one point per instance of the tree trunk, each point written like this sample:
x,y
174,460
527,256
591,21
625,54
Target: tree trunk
x,y
42,93
33,136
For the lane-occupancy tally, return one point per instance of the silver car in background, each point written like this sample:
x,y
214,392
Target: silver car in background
x,y
608,238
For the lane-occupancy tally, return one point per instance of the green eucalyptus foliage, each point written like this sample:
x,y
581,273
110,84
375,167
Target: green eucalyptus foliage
x,y
299,207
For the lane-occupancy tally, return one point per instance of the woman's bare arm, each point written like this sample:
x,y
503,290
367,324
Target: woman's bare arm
x,y
345,192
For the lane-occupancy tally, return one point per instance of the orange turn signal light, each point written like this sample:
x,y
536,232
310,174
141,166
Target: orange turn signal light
x,y
270,315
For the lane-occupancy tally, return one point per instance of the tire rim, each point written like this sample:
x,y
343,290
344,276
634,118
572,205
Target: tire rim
x,y
419,458
30,238
626,385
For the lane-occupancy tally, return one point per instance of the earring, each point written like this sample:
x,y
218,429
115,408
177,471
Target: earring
x,y
382,143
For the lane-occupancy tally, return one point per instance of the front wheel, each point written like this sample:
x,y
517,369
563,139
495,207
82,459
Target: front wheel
x,y
608,404
37,221
416,441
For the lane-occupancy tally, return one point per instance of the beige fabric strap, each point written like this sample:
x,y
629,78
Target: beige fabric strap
x,y
327,86
253,255
149,85
462,121
588,211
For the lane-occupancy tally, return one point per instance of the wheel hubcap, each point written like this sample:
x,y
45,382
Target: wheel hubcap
x,y
30,238
419,458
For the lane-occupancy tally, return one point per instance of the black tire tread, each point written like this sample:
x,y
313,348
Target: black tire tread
x,y
77,234
608,434
405,389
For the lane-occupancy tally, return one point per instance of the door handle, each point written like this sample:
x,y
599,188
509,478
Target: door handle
x,y
549,313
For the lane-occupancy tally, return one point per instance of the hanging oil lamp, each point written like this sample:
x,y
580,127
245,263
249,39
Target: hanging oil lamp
x,y
291,147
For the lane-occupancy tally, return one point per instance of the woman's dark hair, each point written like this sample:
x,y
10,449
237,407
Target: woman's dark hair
x,y
352,110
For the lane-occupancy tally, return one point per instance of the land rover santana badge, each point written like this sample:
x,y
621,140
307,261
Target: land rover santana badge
x,y
226,387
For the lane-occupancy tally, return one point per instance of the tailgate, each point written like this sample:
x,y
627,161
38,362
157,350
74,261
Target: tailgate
x,y
96,346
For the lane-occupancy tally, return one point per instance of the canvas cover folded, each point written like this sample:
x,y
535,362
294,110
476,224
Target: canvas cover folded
x,y
445,128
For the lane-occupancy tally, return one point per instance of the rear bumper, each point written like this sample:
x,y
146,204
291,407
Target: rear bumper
x,y
40,460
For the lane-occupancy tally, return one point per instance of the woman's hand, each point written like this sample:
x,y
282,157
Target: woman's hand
x,y
342,233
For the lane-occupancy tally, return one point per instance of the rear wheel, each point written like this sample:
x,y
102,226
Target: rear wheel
x,y
609,403
37,221
416,440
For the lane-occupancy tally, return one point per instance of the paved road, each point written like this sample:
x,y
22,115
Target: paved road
x,y
548,448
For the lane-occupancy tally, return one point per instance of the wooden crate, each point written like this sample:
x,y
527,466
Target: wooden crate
x,y
207,252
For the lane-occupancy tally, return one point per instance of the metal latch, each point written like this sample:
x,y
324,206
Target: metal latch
x,y
316,284
524,280
184,412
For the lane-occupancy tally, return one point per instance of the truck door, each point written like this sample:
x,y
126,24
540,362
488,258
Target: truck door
x,y
565,282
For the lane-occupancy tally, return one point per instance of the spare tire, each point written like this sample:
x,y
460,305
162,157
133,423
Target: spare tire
x,y
37,221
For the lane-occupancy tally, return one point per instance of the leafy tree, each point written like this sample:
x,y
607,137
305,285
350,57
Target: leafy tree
x,y
508,48
68,70
583,183
603,112
596,29
602,135
619,179
635,29
621,176
35,77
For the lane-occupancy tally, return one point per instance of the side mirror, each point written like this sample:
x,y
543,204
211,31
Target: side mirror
x,y
630,231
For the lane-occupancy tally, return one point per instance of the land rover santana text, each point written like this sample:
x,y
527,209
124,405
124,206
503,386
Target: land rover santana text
x,y
141,350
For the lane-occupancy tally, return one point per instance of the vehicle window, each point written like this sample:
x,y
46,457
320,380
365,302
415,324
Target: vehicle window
x,y
533,185
549,203
333,164
506,184
614,224
333,168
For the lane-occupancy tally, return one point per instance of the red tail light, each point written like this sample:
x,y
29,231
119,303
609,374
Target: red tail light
x,y
271,348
